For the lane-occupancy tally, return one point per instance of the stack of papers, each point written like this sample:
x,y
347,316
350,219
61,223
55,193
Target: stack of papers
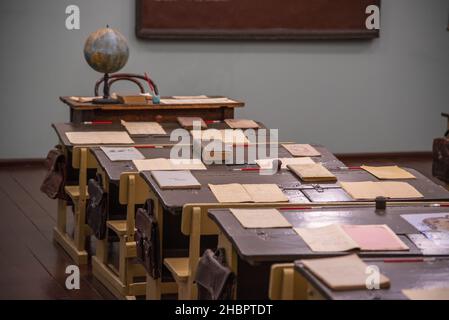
x,y
301,150
369,190
168,164
337,238
242,124
236,193
388,172
260,218
143,128
99,137
342,273
312,172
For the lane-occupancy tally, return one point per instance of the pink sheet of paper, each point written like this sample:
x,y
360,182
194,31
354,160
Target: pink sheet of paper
x,y
375,238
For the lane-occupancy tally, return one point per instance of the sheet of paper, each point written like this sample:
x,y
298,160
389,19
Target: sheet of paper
x,y
227,136
428,221
265,193
427,294
312,172
375,238
268,163
163,164
388,172
190,97
188,122
143,128
260,218
175,179
342,273
232,193
369,190
198,101
242,124
331,238
84,99
99,137
301,150
122,154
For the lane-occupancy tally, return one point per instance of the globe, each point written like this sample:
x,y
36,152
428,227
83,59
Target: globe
x,y
106,50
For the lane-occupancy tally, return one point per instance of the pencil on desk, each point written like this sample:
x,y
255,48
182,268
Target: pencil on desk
x,y
212,121
97,122
149,147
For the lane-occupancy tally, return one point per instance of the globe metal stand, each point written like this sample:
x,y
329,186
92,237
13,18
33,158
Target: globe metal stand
x,y
107,99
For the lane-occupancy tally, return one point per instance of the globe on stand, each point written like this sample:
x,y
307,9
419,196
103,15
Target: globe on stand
x,y
106,51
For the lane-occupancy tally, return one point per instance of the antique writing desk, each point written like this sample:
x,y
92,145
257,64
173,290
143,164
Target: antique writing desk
x,y
402,275
255,250
80,111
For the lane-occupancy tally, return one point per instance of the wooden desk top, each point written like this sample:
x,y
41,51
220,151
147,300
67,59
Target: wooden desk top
x,y
285,245
150,106
405,275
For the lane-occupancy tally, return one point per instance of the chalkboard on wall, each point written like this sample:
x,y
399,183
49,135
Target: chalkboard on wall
x,y
254,19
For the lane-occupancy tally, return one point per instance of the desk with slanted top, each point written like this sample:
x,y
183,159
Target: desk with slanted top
x,y
402,275
86,111
255,250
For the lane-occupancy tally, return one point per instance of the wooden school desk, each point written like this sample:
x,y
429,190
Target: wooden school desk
x,y
403,275
257,249
80,112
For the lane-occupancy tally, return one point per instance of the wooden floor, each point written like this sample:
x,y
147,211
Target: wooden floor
x,y
33,267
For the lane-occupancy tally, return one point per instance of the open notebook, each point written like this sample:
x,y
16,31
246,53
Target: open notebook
x,y
227,136
370,190
182,179
337,238
236,193
342,273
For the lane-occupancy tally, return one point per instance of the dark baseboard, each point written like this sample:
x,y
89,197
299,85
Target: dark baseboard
x,y
35,162
386,155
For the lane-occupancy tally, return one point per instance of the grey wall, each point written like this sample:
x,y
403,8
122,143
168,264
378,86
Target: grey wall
x,y
380,95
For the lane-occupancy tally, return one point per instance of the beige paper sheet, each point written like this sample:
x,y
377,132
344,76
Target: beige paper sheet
x,y
265,193
242,124
187,122
312,172
369,190
260,218
232,193
342,273
190,97
331,238
301,150
84,99
227,136
388,172
427,294
197,101
99,137
268,163
163,164
143,128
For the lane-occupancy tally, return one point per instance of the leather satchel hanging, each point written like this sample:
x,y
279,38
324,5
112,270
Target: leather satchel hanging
x,y
97,207
214,279
55,179
147,240
440,165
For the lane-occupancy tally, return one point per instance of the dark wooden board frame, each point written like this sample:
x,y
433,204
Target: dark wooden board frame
x,y
325,19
